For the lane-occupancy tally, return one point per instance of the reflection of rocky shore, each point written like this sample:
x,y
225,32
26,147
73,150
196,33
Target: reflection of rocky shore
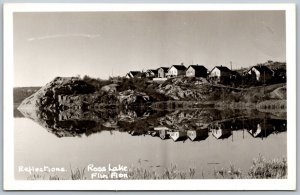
x,y
70,107
179,125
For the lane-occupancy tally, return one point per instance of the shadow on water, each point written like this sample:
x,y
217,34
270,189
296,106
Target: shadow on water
x,y
179,125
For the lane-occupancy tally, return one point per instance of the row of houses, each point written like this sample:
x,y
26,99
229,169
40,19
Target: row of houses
x,y
256,127
218,73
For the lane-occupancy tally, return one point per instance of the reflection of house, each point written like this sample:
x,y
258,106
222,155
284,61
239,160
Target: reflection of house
x,y
220,74
163,131
197,135
178,135
196,71
151,73
132,74
263,129
176,70
219,132
163,134
260,73
162,71
255,132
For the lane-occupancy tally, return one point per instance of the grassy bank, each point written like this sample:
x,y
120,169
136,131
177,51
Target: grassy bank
x,y
261,168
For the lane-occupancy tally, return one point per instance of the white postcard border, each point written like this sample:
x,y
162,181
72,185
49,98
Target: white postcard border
x,y
196,184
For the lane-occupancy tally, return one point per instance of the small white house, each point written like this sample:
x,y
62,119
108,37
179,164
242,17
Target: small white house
x,y
176,70
162,71
220,73
220,133
261,73
194,135
196,71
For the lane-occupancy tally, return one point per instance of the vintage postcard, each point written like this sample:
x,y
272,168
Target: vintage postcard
x,y
149,97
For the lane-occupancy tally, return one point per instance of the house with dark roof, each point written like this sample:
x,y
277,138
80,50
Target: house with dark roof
x,y
260,73
176,70
162,71
260,131
132,74
220,74
151,73
220,131
197,135
196,71
178,136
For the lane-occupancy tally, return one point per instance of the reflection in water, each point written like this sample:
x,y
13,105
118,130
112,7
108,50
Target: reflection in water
x,y
179,125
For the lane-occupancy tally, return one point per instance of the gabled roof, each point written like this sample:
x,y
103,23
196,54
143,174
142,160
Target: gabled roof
x,y
198,67
223,68
134,72
262,68
178,67
165,69
224,135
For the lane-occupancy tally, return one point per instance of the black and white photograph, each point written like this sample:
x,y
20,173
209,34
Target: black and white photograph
x,y
114,94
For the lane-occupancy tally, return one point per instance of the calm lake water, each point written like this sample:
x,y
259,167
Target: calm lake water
x,y
205,140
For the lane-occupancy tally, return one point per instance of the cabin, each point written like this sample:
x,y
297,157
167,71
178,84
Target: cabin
x,y
132,74
197,135
220,74
260,73
176,70
178,136
151,73
162,71
196,71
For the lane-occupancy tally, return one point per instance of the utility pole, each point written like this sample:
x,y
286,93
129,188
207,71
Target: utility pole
x,y
264,84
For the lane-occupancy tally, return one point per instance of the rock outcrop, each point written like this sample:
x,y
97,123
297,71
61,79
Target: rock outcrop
x,y
130,97
63,93
188,89
48,97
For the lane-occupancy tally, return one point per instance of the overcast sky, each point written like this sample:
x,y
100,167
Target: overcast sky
x,y
106,44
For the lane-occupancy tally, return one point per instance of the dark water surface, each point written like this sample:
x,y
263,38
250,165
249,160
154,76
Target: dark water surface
x,y
202,139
